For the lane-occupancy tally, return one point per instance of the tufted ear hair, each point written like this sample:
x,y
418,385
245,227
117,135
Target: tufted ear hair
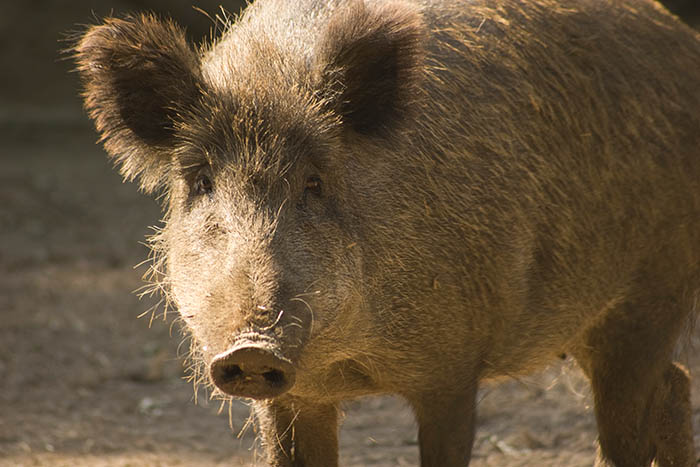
x,y
370,62
138,74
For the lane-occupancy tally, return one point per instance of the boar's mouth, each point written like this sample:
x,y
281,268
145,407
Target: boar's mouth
x,y
252,368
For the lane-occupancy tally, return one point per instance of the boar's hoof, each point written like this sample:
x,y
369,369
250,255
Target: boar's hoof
x,y
251,371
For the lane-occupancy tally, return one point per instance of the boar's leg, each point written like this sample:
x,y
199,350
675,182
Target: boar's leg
x,y
673,428
298,435
642,399
445,426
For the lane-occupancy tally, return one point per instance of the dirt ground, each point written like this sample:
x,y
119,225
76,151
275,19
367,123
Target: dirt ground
x,y
85,382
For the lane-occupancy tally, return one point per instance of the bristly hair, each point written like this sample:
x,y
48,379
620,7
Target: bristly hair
x,y
157,284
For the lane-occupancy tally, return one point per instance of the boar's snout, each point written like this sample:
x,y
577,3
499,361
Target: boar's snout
x,y
252,370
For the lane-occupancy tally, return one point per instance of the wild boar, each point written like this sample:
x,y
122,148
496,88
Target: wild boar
x,y
392,197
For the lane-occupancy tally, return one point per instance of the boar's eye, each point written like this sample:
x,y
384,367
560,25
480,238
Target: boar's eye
x,y
202,185
313,186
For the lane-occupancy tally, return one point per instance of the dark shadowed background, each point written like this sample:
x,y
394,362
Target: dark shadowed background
x,y
83,381
35,85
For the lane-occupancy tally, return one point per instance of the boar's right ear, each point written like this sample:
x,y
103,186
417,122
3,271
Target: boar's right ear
x,y
370,61
138,74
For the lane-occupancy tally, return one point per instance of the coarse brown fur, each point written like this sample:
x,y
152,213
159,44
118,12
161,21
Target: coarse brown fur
x,y
413,197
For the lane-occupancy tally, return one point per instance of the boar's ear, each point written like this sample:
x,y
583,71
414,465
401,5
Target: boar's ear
x,y
138,74
370,63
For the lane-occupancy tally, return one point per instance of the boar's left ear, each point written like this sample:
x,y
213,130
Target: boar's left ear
x,y
138,74
370,61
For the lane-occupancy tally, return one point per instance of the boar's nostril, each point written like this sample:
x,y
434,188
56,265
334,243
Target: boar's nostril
x,y
231,373
274,377
252,371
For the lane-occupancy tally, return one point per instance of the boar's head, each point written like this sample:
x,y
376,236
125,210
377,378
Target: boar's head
x,y
259,146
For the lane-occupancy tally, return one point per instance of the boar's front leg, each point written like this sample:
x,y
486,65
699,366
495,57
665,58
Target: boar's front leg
x,y
296,434
446,419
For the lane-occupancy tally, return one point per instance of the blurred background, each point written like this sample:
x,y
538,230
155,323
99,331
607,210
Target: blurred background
x,y
83,380
35,83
